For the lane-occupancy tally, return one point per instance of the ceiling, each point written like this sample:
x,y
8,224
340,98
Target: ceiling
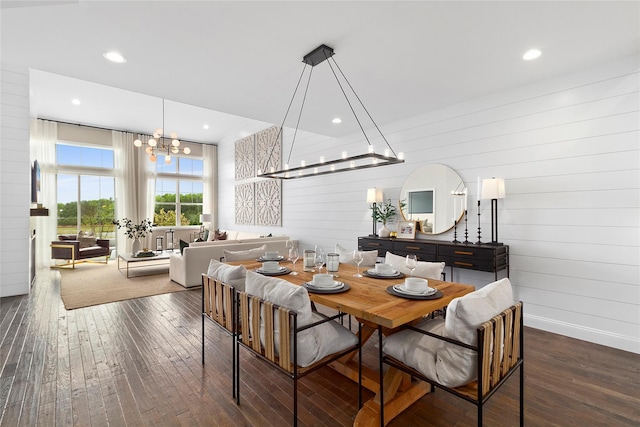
x,y
234,65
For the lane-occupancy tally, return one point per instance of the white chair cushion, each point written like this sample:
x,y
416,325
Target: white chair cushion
x,y
428,270
313,344
450,364
232,275
254,253
346,257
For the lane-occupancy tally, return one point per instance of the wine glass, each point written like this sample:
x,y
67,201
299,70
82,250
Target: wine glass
x,y
358,258
289,244
319,260
412,262
293,256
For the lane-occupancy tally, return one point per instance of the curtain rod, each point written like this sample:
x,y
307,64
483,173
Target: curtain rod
x,y
117,130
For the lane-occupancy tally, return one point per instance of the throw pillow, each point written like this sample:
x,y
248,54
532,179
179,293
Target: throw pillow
x,y
455,365
254,253
346,257
87,239
428,270
183,245
228,274
205,237
220,235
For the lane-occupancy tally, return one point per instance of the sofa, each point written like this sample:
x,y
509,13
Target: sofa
x,y
79,248
186,268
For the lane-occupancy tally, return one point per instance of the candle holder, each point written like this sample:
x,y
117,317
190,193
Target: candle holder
x,y
455,232
479,242
159,246
466,230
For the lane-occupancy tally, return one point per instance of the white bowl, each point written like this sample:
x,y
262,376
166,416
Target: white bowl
x,y
270,266
323,279
416,284
271,254
384,268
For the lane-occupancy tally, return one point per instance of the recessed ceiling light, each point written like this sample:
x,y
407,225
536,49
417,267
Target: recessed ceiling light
x,y
205,127
114,56
75,101
531,54
336,120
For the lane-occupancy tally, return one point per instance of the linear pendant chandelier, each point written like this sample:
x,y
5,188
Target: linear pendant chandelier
x,y
343,163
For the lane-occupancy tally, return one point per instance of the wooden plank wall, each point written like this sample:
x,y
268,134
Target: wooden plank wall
x,y
568,149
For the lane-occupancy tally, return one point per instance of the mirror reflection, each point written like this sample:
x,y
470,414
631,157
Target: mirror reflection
x,y
435,196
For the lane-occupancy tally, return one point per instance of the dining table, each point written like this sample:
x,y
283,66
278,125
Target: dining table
x,y
370,299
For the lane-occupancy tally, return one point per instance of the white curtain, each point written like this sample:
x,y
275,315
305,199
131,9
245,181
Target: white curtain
x,y
126,189
146,180
210,187
43,136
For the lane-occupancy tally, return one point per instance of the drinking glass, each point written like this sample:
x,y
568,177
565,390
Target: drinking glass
x,y
358,258
319,261
289,244
412,262
293,256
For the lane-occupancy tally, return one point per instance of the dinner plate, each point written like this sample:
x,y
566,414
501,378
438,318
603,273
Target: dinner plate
x,y
393,291
401,288
280,272
376,275
263,259
335,285
312,289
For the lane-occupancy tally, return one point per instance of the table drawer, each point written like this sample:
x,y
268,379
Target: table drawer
x,y
470,263
415,248
467,252
382,246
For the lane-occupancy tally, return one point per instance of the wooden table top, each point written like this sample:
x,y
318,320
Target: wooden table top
x,y
368,298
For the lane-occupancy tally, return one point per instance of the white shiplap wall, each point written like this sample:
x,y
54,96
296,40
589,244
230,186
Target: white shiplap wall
x,y
569,150
15,176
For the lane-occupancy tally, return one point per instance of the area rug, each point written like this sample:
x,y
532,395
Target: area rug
x,y
93,284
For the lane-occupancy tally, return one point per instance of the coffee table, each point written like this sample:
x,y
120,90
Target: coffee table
x,y
137,262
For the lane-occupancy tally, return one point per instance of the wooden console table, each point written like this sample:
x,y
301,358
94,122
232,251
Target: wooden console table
x,y
483,257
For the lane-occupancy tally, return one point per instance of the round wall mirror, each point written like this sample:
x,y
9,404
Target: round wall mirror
x,y
435,196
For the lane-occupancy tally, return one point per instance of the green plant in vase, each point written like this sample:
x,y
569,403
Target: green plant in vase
x,y
383,213
134,231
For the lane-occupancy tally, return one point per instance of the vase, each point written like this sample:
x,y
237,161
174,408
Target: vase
x,y
136,245
384,231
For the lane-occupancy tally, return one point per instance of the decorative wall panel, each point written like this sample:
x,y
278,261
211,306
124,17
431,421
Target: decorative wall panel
x,y
245,201
268,149
268,202
245,158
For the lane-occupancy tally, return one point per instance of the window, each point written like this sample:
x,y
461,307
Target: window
x,y
86,190
179,189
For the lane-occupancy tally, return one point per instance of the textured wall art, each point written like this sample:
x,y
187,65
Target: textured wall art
x,y
245,202
245,158
268,199
268,149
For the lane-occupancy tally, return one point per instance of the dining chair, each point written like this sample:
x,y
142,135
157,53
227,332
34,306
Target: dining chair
x,y
219,305
471,353
281,329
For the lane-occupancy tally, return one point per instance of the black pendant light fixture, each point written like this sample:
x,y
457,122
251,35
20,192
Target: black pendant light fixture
x,y
342,163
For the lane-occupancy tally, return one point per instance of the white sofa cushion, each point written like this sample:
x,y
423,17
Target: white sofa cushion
x,y
254,253
450,364
232,275
428,270
313,344
346,256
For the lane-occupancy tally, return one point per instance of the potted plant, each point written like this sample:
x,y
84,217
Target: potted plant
x,y
134,231
383,213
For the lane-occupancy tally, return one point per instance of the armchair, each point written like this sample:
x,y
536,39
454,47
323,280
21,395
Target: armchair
x,y
74,250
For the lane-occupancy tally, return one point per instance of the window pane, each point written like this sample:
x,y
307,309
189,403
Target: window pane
x,y
188,166
97,208
162,167
165,209
84,156
67,204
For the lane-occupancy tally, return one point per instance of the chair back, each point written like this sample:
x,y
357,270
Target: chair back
x,y
499,348
218,302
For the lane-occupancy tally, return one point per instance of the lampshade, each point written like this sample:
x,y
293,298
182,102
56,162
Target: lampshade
x,y
493,188
206,217
374,195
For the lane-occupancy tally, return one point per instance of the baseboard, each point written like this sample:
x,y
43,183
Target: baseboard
x,y
596,336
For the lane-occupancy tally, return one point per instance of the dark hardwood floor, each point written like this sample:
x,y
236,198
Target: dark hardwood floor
x,y
138,362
